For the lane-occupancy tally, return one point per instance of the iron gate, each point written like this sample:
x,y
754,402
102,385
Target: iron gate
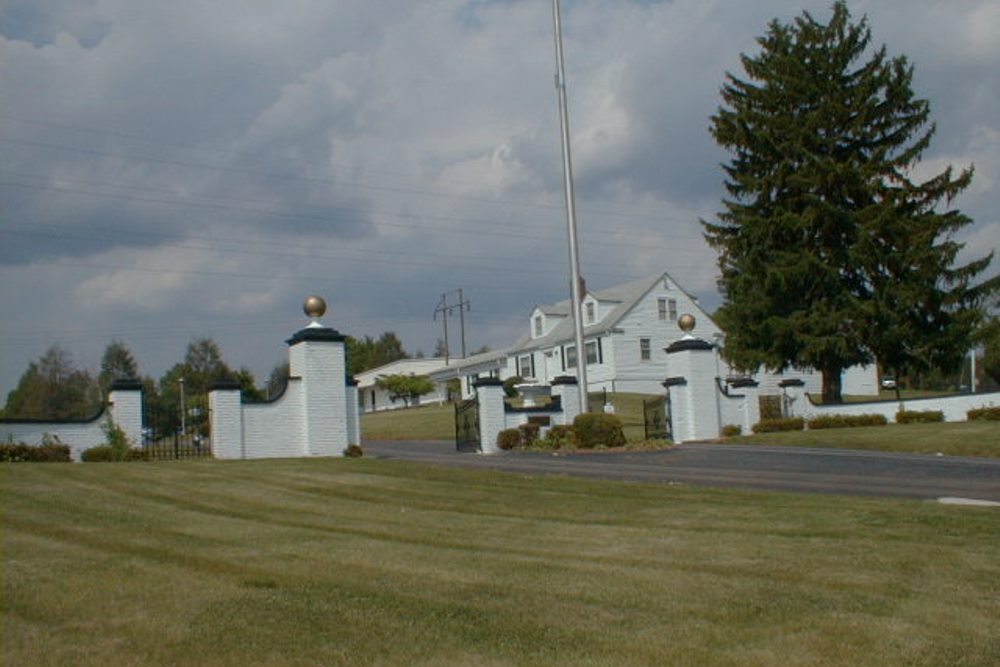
x,y
467,426
166,436
656,418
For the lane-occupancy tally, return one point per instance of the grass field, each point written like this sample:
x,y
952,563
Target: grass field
x,y
977,438
437,422
367,562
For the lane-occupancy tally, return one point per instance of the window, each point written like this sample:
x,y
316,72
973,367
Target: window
x,y
644,349
538,326
525,367
667,309
591,312
570,356
593,355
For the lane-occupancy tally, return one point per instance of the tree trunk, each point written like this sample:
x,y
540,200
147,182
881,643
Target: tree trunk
x,y
831,386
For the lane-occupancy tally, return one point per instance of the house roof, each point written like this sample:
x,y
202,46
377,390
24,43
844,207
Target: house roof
x,y
625,297
399,367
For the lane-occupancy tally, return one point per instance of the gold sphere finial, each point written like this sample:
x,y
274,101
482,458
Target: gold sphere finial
x,y
686,322
314,307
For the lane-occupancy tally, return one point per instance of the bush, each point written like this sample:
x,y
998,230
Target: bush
x,y
987,414
594,429
846,421
785,424
107,453
731,430
529,434
559,436
509,439
47,452
919,416
354,452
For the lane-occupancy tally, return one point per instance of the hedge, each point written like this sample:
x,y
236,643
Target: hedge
x,y
984,414
559,436
509,438
107,453
732,430
846,421
45,453
785,424
919,416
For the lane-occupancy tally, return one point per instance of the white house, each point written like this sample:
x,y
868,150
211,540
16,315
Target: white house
x,y
372,397
626,330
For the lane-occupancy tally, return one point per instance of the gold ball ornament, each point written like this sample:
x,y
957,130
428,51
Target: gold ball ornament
x,y
686,322
314,307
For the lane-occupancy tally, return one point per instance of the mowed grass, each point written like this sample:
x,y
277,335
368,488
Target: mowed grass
x,y
437,422
975,438
367,562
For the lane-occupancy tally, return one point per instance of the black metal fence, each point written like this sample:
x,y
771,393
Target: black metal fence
x,y
656,418
467,426
169,436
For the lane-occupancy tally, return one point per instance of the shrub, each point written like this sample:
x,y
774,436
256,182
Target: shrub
x,y
987,414
919,416
99,454
770,407
785,424
731,430
559,436
529,434
846,421
47,452
594,429
354,452
509,439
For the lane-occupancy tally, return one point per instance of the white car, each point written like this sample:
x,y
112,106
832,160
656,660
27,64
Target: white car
x,y
888,382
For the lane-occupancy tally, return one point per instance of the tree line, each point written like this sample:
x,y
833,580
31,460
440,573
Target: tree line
x,y
54,387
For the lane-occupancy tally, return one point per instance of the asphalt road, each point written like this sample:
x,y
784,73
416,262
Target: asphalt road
x,y
836,471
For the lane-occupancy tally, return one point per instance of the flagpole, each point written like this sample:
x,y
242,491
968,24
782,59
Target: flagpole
x,y
576,300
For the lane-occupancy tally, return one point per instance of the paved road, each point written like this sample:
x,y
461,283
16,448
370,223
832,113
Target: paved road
x,y
849,472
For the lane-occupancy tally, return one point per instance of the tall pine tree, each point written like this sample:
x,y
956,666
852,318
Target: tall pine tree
x,y
830,254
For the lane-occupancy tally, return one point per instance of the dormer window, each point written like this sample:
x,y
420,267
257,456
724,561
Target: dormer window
x,y
591,312
538,326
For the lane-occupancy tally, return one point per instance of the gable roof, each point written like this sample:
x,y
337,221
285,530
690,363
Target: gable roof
x,y
625,297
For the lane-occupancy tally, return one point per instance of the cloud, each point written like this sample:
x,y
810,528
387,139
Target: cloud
x,y
183,168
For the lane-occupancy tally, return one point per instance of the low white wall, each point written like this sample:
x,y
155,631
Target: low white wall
x,y
955,408
124,409
276,430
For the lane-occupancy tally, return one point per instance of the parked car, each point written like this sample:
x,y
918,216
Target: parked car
x,y
888,382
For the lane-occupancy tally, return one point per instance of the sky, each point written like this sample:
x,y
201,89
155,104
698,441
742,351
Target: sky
x,y
173,170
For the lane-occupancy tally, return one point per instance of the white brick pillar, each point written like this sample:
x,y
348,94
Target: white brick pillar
x,y
316,355
125,409
695,403
492,416
353,413
793,398
751,402
564,388
225,419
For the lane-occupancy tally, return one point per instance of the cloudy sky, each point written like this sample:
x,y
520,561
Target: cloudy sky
x,y
194,168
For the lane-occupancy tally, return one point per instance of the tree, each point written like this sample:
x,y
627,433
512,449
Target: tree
x,y
116,364
54,388
406,387
368,353
830,254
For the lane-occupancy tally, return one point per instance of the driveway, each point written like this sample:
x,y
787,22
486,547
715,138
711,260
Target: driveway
x,y
838,471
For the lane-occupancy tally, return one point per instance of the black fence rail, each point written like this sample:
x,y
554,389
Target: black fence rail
x,y
167,437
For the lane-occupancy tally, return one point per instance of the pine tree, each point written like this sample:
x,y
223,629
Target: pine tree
x,y
117,363
830,254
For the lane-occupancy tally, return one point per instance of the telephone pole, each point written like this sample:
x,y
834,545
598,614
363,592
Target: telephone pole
x,y
446,309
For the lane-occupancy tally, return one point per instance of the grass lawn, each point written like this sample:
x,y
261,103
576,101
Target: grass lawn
x,y
437,422
976,438
367,562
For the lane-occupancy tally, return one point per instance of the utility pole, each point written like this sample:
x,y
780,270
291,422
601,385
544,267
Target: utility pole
x,y
183,409
446,309
574,256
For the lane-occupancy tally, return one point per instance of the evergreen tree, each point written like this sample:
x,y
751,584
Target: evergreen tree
x,y
116,364
830,254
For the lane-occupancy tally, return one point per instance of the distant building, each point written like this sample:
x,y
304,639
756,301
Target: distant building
x,y
626,329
